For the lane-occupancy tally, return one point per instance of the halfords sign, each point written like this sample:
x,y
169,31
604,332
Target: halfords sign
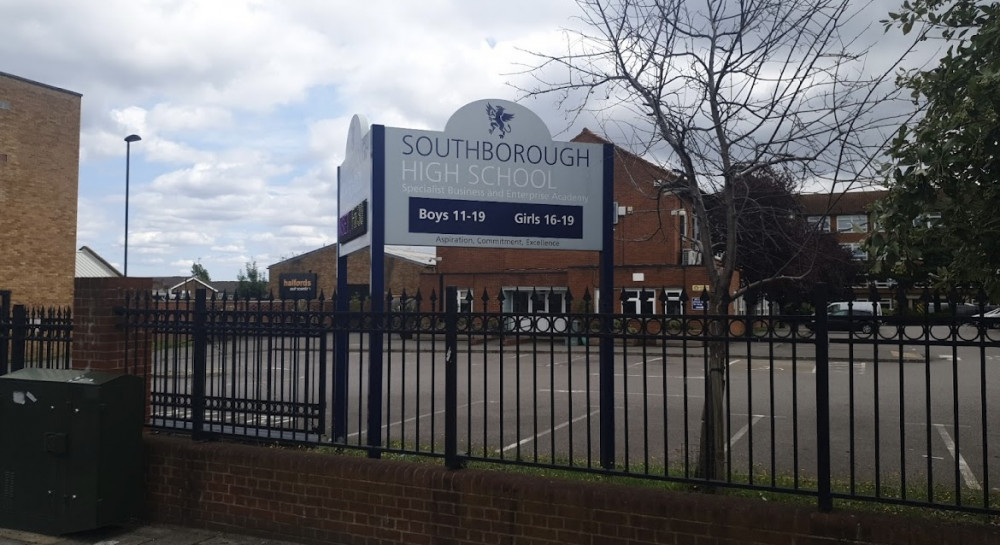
x,y
297,286
493,178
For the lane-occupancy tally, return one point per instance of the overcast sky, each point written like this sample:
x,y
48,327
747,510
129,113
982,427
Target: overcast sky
x,y
243,107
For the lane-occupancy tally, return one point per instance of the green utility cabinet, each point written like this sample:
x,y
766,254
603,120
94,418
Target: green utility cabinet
x,y
70,449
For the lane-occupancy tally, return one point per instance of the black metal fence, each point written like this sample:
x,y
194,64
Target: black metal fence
x,y
887,408
33,337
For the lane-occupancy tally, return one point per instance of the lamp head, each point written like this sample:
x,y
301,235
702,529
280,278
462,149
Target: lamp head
x,y
132,138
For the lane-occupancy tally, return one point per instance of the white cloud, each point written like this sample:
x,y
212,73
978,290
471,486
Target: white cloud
x,y
170,118
243,106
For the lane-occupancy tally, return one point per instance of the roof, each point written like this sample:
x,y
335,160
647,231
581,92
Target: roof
x,y
851,202
91,265
226,286
589,136
173,282
410,254
39,84
401,252
195,280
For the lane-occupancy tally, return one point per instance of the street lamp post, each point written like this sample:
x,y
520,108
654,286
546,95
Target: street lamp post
x,y
128,151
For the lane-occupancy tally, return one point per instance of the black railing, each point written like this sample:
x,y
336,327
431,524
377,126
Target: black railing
x,y
887,408
33,337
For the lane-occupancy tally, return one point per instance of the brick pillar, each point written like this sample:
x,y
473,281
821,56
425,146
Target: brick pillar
x,y
99,340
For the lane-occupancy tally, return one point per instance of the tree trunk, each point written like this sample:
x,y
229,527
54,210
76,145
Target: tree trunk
x,y
712,450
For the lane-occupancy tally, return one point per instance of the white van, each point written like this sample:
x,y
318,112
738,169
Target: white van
x,y
863,316
859,307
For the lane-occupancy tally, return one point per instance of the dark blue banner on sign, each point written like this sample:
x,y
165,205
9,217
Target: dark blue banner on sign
x,y
510,219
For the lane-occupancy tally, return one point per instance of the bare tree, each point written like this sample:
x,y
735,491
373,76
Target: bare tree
x,y
727,89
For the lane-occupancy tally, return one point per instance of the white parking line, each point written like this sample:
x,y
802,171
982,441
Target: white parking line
x,y
410,419
963,467
541,434
646,361
742,431
595,392
640,375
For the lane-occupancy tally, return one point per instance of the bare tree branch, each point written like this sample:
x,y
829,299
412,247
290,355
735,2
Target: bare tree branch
x,y
732,89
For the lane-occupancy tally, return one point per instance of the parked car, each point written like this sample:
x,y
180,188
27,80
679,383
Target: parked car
x,y
857,306
863,320
990,318
860,316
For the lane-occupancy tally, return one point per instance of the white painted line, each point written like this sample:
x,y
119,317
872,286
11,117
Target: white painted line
x,y
527,440
963,467
742,431
678,377
410,419
540,390
595,392
645,361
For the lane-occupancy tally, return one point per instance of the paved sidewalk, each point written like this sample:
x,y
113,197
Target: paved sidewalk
x,y
151,534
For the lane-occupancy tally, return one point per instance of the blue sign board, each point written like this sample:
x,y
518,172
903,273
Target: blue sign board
x,y
499,219
493,178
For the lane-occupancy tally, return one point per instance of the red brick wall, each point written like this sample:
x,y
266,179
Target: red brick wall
x,y
330,499
40,139
98,337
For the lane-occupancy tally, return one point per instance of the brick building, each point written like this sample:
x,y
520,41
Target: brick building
x,y
848,217
653,255
402,270
39,176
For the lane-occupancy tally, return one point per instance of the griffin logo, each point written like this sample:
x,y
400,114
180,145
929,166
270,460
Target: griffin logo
x,y
499,119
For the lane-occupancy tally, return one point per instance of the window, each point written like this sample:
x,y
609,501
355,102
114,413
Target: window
x,y
928,220
852,223
856,251
639,301
465,300
821,223
537,300
684,224
672,305
645,301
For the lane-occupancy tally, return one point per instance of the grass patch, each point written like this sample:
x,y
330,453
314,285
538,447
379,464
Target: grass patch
x,y
886,499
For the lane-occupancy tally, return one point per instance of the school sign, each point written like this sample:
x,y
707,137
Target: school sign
x,y
493,178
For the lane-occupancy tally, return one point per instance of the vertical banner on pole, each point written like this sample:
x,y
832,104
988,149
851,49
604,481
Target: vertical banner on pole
x,y
377,301
341,356
354,189
607,354
451,458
